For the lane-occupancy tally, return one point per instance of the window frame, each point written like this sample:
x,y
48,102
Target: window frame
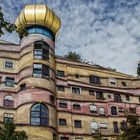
x,y
10,83
75,92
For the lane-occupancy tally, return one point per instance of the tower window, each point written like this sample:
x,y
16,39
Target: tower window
x,y
40,70
9,82
39,115
8,101
41,50
8,117
8,64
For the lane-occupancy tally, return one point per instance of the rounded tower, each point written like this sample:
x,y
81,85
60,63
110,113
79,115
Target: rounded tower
x,y
36,99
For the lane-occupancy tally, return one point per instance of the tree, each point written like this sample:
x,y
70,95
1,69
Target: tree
x,y
132,129
8,132
138,69
4,25
74,56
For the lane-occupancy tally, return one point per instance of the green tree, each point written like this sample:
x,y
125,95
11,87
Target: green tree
x,y
8,132
138,69
132,129
74,56
4,25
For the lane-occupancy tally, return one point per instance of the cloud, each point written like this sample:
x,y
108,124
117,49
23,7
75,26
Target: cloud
x,y
106,32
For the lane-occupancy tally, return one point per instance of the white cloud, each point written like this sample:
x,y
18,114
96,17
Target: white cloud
x,y
106,32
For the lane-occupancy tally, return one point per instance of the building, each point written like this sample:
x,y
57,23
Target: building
x,y
51,97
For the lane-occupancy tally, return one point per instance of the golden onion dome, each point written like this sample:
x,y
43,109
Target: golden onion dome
x,y
38,15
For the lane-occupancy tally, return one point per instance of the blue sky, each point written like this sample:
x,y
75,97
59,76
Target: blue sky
x,y
106,32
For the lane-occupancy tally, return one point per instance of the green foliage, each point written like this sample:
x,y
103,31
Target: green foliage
x,y
73,56
8,132
132,131
4,25
138,69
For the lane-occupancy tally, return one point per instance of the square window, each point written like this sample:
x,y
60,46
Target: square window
x,y
9,82
109,96
77,124
91,92
76,90
99,95
63,104
94,79
52,99
23,86
61,88
93,108
8,64
112,80
60,73
76,106
62,122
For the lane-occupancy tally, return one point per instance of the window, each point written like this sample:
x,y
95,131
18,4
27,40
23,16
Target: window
x,y
40,70
101,111
9,82
41,30
139,99
76,90
94,127
77,75
116,128
76,107
64,138
23,86
60,73
113,110
127,97
93,109
117,97
109,96
52,99
91,92
61,88
132,110
41,50
94,79
8,64
39,115
124,84
77,124
123,124
99,95
63,104
8,101
112,80
54,136
62,122
8,117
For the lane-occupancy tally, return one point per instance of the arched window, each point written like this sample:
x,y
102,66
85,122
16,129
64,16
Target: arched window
x,y
101,111
39,115
94,127
113,110
8,101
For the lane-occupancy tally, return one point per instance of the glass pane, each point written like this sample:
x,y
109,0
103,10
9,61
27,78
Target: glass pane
x,y
35,121
36,107
32,30
44,121
44,111
47,34
38,30
35,114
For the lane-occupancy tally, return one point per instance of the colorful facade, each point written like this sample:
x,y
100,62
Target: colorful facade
x,y
53,98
